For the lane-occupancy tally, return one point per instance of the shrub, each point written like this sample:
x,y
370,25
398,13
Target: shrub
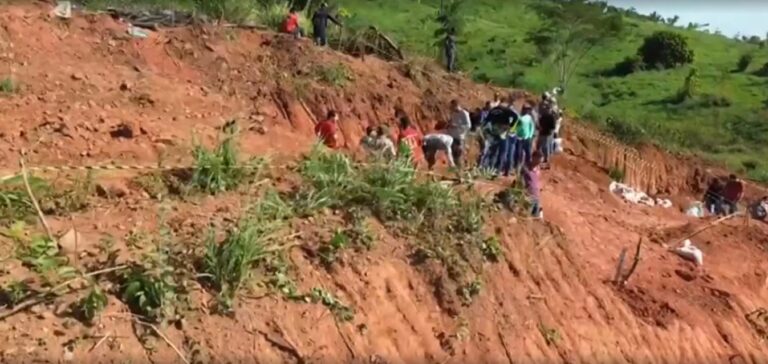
x,y
628,66
690,86
8,86
666,49
617,174
627,132
750,165
763,71
709,100
744,61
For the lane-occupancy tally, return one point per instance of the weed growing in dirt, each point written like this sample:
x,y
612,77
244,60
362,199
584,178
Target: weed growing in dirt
x,y
341,311
42,256
219,170
491,249
616,174
90,306
329,252
13,293
336,75
447,224
14,200
359,231
470,290
150,288
229,265
551,336
71,199
8,86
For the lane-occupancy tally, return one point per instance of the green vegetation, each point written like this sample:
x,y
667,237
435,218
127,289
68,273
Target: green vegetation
x,y
150,288
220,170
8,86
231,263
13,293
89,307
723,122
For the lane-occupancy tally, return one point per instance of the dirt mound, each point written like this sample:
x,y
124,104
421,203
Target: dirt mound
x,y
99,96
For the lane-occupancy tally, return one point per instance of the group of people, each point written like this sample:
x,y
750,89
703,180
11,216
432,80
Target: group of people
x,y
320,20
723,198
506,138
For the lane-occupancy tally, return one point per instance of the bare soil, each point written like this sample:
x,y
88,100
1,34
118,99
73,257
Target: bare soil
x,y
90,94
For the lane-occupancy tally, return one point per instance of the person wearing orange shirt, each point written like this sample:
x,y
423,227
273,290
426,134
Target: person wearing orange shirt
x,y
291,24
326,130
410,137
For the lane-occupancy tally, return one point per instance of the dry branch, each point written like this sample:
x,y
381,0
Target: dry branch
x,y
620,266
45,296
635,262
32,198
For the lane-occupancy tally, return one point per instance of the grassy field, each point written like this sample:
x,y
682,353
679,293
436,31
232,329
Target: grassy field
x,y
495,50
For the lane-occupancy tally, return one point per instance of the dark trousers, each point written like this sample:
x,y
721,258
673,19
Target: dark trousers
x,y
321,36
450,60
508,161
523,152
545,143
457,150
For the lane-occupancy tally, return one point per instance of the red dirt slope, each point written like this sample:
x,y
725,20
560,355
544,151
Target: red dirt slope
x,y
547,302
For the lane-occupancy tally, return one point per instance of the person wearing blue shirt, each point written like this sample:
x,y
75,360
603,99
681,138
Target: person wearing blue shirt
x,y
524,131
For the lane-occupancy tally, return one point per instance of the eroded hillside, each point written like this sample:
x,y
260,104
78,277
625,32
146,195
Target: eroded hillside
x,y
348,274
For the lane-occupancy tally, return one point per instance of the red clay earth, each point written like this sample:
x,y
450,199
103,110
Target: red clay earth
x,y
90,94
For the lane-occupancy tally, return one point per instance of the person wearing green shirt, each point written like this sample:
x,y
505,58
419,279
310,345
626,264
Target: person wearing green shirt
x,y
524,131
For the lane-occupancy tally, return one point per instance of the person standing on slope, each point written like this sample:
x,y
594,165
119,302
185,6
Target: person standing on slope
x,y
458,127
326,130
524,131
449,45
531,176
545,140
320,24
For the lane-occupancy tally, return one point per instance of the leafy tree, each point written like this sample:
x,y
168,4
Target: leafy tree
x,y
571,29
665,49
673,20
449,20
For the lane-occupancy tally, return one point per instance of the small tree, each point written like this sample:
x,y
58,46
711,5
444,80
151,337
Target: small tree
x,y
744,61
449,19
688,91
665,49
570,30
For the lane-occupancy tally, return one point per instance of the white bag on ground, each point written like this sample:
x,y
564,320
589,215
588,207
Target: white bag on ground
x,y
690,252
695,210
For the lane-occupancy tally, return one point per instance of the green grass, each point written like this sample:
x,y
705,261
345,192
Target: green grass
x,y
495,50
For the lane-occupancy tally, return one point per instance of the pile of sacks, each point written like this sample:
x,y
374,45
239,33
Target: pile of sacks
x,y
637,197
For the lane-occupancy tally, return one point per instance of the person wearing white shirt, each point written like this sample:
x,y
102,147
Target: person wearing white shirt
x,y
458,127
383,144
435,142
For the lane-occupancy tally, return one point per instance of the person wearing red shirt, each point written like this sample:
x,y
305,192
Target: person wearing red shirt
x,y
326,130
732,193
410,137
291,24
